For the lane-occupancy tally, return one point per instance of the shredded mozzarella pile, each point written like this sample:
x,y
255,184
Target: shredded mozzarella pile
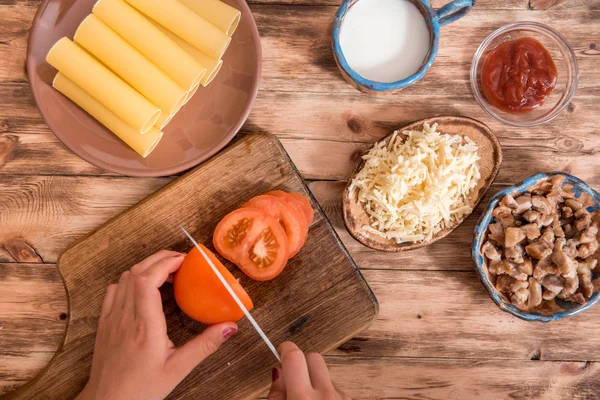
x,y
413,188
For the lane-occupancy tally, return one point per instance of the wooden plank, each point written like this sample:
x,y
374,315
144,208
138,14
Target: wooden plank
x,y
450,314
303,35
442,379
46,213
33,315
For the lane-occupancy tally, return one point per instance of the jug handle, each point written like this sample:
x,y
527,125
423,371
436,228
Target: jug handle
x,y
454,10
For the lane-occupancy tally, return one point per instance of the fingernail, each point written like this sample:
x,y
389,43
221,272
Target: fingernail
x,y
178,255
229,332
275,374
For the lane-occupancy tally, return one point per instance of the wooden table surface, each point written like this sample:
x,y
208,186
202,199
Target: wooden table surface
x,y
438,335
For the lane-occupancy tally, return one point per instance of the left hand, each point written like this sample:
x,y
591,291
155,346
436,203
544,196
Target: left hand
x,y
133,357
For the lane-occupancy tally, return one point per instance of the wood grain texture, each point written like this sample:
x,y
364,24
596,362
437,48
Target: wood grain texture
x,y
318,317
33,326
50,198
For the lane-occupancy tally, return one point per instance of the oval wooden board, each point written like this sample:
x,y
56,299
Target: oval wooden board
x,y
490,153
319,301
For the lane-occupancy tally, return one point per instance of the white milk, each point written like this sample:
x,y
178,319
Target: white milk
x,y
384,40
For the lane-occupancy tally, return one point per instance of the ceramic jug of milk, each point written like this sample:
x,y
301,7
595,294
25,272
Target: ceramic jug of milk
x,y
387,45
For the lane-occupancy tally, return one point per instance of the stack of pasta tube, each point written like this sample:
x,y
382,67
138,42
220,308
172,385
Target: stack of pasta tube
x,y
132,66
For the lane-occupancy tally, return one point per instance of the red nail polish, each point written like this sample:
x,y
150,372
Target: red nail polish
x,y
229,332
275,374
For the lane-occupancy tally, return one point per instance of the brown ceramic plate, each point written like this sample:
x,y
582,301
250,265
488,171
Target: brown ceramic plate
x,y
201,128
490,153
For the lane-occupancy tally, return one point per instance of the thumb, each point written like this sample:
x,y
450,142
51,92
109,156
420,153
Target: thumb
x,y
277,387
188,356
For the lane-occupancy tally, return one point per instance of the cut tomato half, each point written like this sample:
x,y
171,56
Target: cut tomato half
x,y
293,224
253,240
304,202
201,295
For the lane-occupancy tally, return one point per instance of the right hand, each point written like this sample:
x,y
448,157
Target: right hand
x,y
302,377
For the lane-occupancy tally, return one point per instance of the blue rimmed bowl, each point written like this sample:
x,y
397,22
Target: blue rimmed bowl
x,y
565,308
435,19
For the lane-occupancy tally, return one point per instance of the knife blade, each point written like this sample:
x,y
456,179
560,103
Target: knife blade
x,y
235,297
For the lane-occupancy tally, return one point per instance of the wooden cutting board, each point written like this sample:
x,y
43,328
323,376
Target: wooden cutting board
x,y
320,300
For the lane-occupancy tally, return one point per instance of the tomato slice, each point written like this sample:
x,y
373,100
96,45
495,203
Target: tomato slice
x,y
253,240
201,295
293,224
309,213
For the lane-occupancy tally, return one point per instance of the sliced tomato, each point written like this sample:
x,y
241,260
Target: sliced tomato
x,y
293,224
309,213
201,295
253,240
295,205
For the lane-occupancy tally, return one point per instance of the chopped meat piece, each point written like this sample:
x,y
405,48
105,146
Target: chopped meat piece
x,y
570,248
587,249
513,236
531,216
531,230
575,298
501,212
497,237
496,228
544,267
583,219
589,235
508,222
554,197
585,281
553,283
504,283
492,266
535,293
526,267
514,254
557,181
509,201
519,285
570,232
490,251
542,188
591,263
524,203
548,236
546,220
567,212
565,265
541,204
539,249
575,205
519,298
571,286
549,295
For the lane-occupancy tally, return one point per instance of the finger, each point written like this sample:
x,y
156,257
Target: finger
x,y
294,368
277,387
318,372
109,299
153,259
121,292
129,304
148,302
158,272
188,356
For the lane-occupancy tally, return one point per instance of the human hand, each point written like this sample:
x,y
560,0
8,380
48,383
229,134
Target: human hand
x,y
133,356
302,377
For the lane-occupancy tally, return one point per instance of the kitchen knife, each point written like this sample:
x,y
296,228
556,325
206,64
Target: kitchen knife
x,y
237,299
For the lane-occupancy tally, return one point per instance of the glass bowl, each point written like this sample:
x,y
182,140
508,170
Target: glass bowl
x,y
566,67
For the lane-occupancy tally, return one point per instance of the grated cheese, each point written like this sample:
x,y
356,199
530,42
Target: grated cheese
x,y
413,188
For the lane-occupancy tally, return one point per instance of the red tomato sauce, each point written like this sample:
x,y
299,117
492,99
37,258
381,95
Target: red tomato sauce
x,y
518,75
